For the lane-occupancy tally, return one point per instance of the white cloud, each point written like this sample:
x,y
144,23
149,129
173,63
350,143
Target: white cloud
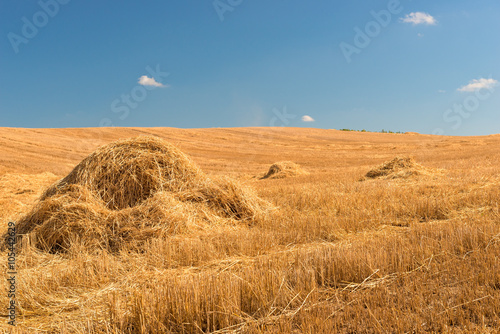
x,y
441,91
145,81
418,18
307,118
420,35
478,84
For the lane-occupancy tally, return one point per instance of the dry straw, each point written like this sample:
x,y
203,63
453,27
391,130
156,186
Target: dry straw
x,y
133,189
399,168
284,169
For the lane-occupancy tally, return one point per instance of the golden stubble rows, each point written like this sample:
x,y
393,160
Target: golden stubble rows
x,y
417,254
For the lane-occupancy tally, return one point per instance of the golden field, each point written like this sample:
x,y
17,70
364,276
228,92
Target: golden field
x,y
337,253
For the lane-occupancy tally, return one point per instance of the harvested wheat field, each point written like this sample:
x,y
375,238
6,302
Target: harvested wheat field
x,y
163,230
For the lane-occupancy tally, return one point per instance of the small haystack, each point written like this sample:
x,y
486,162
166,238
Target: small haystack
x,y
398,168
132,190
284,169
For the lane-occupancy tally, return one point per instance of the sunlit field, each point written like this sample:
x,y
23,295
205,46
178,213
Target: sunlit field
x,y
411,248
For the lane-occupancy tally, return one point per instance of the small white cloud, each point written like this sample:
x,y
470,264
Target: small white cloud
x,y
420,35
478,84
307,118
418,18
146,81
441,91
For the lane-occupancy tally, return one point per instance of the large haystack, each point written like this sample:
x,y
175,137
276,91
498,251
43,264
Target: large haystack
x,y
128,171
131,190
284,169
399,168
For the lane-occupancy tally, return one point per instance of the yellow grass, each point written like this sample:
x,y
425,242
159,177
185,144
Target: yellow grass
x,y
416,254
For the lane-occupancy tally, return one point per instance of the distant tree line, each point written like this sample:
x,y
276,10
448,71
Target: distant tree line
x,y
382,131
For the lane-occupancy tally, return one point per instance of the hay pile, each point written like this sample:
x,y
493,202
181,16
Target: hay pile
x,y
284,169
131,190
399,168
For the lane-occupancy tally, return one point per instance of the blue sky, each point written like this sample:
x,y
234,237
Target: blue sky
x,y
424,66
